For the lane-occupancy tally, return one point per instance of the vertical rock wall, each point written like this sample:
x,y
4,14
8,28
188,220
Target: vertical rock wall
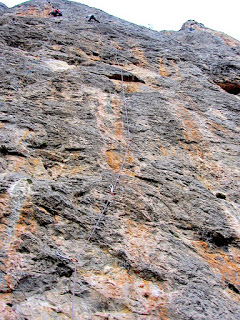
x,y
168,245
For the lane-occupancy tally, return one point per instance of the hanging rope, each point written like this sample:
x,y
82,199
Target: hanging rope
x,y
25,75
19,83
113,187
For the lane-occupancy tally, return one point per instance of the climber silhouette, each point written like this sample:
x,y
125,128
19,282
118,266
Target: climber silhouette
x,y
91,17
56,12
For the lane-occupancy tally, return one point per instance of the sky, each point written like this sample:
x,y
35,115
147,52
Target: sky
x,y
170,15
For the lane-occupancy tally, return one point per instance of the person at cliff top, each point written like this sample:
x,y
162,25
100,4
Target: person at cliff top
x,y
56,12
91,17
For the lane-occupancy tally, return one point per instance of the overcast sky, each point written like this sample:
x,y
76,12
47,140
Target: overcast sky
x,y
170,15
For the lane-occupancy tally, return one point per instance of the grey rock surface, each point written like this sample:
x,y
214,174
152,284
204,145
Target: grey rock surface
x,y
3,7
168,245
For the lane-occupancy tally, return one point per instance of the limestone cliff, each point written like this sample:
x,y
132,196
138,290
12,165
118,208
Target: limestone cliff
x,y
168,244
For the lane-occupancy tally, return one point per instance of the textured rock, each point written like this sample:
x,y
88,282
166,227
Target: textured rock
x,y
168,246
3,7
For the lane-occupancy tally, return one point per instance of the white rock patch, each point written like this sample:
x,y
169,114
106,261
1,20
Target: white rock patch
x,y
59,66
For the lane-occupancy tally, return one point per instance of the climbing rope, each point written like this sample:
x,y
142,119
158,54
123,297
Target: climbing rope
x,y
112,187
23,78
19,83
26,74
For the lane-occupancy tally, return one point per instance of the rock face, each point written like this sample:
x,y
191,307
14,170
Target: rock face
x,y
3,7
168,244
